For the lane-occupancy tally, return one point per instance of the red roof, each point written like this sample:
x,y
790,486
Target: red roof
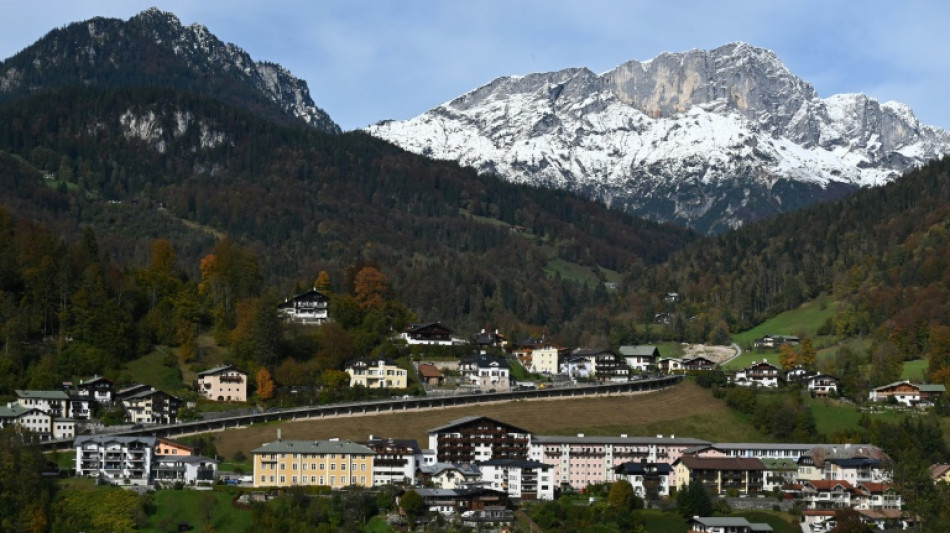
x,y
429,371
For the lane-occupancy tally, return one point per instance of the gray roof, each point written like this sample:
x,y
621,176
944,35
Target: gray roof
x,y
146,393
42,394
437,468
467,419
104,439
642,350
186,458
219,369
514,463
559,439
314,446
765,446
16,411
722,521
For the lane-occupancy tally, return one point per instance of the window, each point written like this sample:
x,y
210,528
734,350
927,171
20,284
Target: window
x,y
283,466
332,466
283,479
322,480
362,480
332,480
294,480
343,466
263,479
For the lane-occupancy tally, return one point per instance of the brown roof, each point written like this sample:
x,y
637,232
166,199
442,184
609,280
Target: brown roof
x,y
829,484
429,371
874,487
721,463
937,471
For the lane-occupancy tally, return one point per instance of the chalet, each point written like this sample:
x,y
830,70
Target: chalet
x,y
907,393
606,365
431,333
485,373
449,475
99,389
395,461
223,384
640,358
576,367
430,375
822,385
940,473
450,502
489,339
698,364
670,365
649,480
762,374
726,524
798,374
151,406
744,475
43,425
775,341
187,469
520,478
377,374
309,308
478,438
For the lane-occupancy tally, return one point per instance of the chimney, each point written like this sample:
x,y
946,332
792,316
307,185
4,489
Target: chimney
x,y
278,434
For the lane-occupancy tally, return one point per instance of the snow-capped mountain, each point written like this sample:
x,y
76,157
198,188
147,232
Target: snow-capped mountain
x,y
153,49
710,139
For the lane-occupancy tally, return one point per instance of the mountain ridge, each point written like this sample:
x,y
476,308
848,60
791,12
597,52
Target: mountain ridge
x,y
724,126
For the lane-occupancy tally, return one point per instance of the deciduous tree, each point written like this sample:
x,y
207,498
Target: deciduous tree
x,y
265,384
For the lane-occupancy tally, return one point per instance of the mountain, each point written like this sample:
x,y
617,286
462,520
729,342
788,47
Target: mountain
x,y
709,139
153,49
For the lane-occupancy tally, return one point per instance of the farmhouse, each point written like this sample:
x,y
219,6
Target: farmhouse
x,y
761,374
432,333
907,393
698,364
640,358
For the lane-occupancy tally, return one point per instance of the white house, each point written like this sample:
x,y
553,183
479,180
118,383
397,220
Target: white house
x,y
311,307
649,480
763,374
526,480
187,469
822,384
486,373
449,475
98,388
640,358
396,460
118,460
907,393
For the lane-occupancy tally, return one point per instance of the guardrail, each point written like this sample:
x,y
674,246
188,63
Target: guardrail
x,y
381,407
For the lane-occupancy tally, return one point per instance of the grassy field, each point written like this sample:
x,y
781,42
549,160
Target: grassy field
x,y
204,510
915,370
805,320
686,410
152,370
661,522
579,273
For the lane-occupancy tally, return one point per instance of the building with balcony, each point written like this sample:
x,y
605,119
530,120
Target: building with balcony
x,y
579,461
431,333
377,374
331,463
650,481
223,384
449,475
187,469
310,308
98,389
726,524
151,406
56,403
721,475
115,459
395,460
907,393
640,358
474,439
605,365
485,373
761,374
455,502
521,479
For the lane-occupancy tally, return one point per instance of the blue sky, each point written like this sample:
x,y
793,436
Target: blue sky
x,y
368,60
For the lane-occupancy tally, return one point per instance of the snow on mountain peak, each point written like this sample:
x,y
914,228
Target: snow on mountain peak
x,y
705,138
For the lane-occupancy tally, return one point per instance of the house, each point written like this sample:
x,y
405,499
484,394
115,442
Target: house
x,y
576,367
670,365
940,473
822,385
581,460
640,358
485,373
856,469
34,421
907,393
309,308
223,384
761,374
649,480
877,497
55,403
115,459
451,502
430,375
332,463
187,469
825,494
151,406
814,464
721,475
449,475
99,389
698,364
165,446
605,364
778,473
489,339
798,373
478,438
729,524
429,333
545,358
520,478
377,374
774,341
395,461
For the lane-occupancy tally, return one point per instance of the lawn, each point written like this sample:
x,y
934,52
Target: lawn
x,y
915,370
151,370
579,273
663,522
204,510
686,410
805,320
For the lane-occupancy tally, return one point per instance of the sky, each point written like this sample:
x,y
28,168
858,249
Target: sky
x,y
370,60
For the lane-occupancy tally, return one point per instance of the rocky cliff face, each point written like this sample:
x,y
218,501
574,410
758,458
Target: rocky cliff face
x,y
153,49
710,139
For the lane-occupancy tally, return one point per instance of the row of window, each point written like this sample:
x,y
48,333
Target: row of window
x,y
314,480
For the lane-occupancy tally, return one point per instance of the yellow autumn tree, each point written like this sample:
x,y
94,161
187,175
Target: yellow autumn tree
x,y
807,354
265,384
787,357
323,282
371,288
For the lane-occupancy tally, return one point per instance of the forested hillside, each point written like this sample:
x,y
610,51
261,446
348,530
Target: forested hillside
x,y
140,164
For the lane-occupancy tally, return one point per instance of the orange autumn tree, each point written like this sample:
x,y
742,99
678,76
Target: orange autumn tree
x,y
265,384
371,288
787,356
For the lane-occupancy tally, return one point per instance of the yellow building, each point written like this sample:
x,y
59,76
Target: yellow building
x,y
381,374
332,463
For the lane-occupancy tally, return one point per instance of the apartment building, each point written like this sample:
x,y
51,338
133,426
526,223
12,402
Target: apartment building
x,y
332,463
